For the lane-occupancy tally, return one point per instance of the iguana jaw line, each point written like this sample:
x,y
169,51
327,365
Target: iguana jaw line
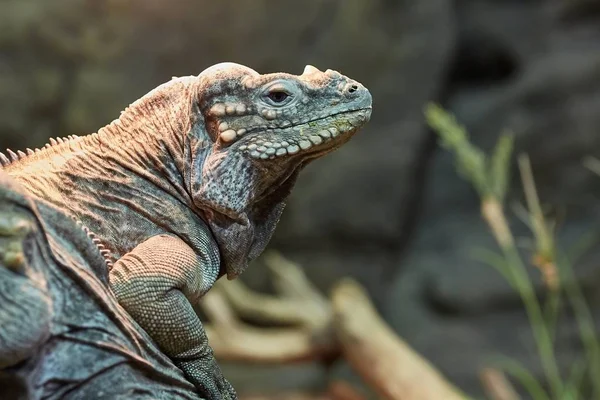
x,y
351,121
316,136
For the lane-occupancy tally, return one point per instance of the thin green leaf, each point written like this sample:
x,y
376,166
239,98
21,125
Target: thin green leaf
x,y
500,165
584,244
470,161
496,261
572,389
552,311
585,322
521,374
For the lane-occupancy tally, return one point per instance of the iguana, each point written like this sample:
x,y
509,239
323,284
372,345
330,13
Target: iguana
x,y
188,185
62,333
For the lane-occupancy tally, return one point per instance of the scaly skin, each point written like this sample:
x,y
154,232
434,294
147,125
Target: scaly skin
x,y
62,333
26,312
189,184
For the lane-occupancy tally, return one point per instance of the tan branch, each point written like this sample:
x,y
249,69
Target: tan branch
x,y
275,345
340,390
298,302
302,306
497,386
337,391
384,361
219,311
349,323
262,307
288,396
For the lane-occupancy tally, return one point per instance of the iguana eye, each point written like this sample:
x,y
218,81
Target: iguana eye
x,y
278,96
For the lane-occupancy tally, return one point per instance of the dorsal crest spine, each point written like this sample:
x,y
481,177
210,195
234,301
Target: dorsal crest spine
x,y
11,157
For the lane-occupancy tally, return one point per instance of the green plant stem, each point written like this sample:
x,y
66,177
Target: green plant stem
x,y
585,323
493,214
543,236
521,374
541,333
551,311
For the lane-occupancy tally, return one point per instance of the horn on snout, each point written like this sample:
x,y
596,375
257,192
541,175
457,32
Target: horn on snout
x,y
309,69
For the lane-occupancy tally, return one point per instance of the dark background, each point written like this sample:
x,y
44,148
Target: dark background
x,y
388,208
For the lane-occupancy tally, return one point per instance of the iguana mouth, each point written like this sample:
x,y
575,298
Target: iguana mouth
x,y
260,129
322,132
340,113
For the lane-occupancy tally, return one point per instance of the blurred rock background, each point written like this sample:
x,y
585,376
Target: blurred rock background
x,y
388,208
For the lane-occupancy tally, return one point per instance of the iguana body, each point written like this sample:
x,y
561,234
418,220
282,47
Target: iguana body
x,y
189,183
62,333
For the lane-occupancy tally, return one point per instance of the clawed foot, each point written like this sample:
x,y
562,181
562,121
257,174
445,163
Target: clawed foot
x,y
206,375
228,391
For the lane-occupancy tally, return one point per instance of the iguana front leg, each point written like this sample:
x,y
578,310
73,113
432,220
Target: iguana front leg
x,y
156,283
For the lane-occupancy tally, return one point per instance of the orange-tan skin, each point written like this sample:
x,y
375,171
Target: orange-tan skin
x,y
189,184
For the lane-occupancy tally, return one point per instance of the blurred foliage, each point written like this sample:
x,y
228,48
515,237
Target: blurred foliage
x,y
488,175
489,179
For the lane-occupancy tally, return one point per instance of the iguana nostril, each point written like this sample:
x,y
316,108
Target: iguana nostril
x,y
351,88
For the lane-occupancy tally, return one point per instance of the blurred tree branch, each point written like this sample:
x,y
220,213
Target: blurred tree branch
x,y
316,328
